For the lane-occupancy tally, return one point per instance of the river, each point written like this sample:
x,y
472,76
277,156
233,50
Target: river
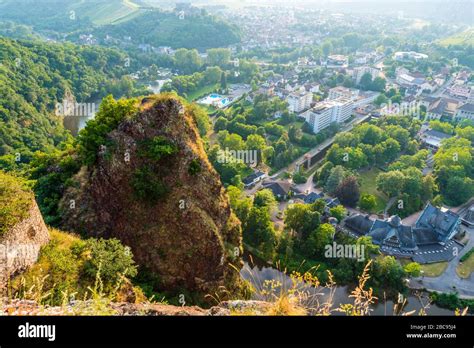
x,y
257,272
75,123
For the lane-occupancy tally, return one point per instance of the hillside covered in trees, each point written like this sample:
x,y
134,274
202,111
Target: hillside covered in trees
x,y
35,77
177,30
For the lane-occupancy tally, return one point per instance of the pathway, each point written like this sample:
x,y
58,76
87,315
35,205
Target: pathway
x,y
449,281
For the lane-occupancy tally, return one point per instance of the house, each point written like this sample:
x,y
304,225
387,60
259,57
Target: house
x,y
460,91
465,111
433,138
332,202
342,92
429,86
254,178
427,101
337,61
309,198
410,79
439,225
442,107
281,189
468,216
359,224
313,88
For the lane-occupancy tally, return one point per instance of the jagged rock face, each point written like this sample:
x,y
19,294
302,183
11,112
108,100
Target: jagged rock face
x,y
20,246
189,236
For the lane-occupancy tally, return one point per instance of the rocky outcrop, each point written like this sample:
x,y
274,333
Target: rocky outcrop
x,y
29,307
188,236
20,245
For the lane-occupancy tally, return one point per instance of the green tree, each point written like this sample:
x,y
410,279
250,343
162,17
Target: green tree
x,y
220,124
265,198
367,202
212,75
259,232
318,240
413,269
390,183
93,136
223,81
302,219
338,212
366,81
187,61
335,178
378,84
218,57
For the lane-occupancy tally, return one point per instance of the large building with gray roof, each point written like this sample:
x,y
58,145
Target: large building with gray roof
x,y
430,239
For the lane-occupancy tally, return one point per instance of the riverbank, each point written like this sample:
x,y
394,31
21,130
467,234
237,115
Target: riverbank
x,y
262,274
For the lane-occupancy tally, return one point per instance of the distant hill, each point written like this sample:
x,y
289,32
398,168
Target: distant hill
x,y
465,37
66,15
159,28
105,12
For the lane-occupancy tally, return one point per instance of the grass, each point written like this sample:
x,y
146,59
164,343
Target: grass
x,y
430,269
298,123
466,267
434,269
367,186
198,93
107,12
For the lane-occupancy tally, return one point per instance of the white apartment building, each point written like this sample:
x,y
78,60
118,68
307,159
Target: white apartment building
x,y
327,112
358,97
299,101
361,71
342,92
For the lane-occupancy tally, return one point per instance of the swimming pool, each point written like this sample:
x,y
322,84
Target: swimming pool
x,y
216,100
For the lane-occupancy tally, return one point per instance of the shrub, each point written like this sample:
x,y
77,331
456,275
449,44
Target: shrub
x,y
69,266
466,255
299,178
111,113
157,148
194,167
15,201
367,202
111,258
147,186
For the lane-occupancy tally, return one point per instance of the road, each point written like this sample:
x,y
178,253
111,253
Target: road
x,y
449,281
443,88
320,147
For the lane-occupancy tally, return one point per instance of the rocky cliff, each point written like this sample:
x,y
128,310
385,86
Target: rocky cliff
x,y
153,188
22,228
